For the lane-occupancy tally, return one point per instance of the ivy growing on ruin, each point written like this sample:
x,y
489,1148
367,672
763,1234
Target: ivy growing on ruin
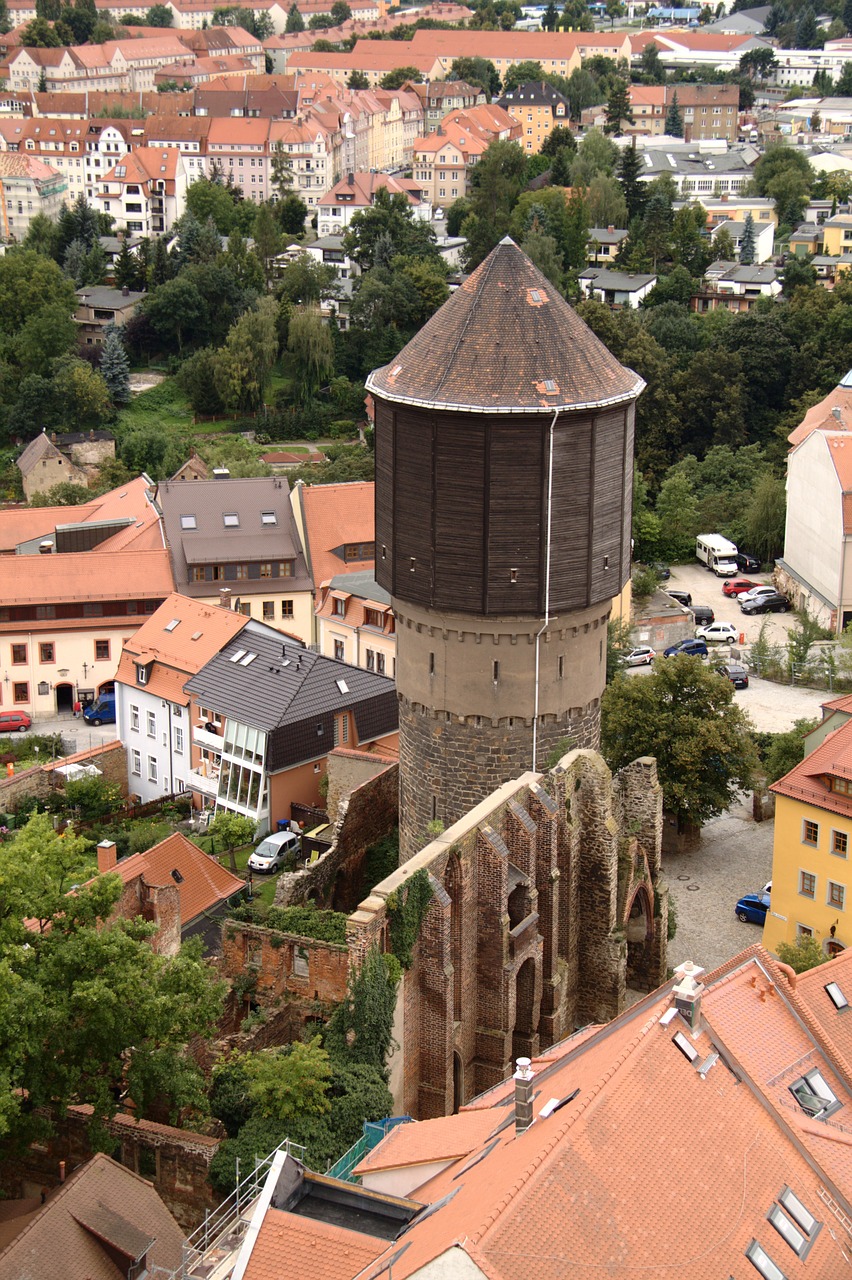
x,y
361,1027
406,910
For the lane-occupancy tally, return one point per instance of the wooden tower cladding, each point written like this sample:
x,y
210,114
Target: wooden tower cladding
x,y
504,458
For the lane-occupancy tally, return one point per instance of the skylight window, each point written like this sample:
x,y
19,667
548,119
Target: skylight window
x,y
689,1051
268,517
170,626
188,522
788,1230
814,1095
231,519
248,659
549,386
760,1259
535,296
836,996
342,686
235,657
196,635
797,1210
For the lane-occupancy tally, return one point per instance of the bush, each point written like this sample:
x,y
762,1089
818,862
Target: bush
x,y
306,921
94,797
645,582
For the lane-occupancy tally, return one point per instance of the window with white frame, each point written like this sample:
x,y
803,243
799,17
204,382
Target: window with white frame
x,y
152,768
136,758
134,718
178,739
152,725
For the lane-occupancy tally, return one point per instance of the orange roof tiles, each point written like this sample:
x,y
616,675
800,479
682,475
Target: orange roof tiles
x,y
205,881
832,758
86,575
429,1141
335,515
294,1248
202,630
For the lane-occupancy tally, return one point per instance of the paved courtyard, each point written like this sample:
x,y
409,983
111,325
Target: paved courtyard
x,y
733,858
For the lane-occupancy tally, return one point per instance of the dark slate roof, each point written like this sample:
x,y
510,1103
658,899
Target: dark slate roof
x,y
284,685
534,92
210,542
505,341
362,584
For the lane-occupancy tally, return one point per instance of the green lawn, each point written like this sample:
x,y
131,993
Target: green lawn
x,y
163,406
263,886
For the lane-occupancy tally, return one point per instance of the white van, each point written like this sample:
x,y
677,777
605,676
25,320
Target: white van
x,y
714,551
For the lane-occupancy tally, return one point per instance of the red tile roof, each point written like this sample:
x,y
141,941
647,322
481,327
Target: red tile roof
x,y
86,575
832,758
652,1167
296,1248
205,882
334,515
429,1141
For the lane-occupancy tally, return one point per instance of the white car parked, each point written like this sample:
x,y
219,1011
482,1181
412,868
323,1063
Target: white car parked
x,y
723,631
766,590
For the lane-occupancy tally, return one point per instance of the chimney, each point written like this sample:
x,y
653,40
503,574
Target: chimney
x,y
688,992
61,1171
107,857
125,292
610,229
837,415
523,1095
221,473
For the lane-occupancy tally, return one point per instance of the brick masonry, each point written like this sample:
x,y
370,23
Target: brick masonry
x,y
175,1160
109,757
547,899
302,972
363,816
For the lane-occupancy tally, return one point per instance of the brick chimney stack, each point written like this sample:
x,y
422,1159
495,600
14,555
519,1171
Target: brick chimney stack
x,y
523,1095
107,856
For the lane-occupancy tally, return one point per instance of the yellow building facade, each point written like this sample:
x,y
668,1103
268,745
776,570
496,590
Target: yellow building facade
x,y
811,879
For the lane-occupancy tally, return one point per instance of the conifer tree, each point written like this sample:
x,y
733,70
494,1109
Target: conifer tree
x,y
747,243
629,167
618,108
674,120
115,367
295,21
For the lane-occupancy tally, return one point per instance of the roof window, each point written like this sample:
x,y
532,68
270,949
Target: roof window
x,y
760,1259
342,686
814,1095
196,635
176,876
689,1051
235,657
248,660
231,519
170,626
188,522
798,1212
836,996
268,517
549,386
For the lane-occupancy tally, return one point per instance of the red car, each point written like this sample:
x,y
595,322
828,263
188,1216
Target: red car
x,y
735,586
12,721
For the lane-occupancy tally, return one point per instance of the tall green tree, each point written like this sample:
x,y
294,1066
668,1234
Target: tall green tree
x,y
246,361
630,166
766,517
115,367
396,78
121,1013
674,119
747,246
618,108
497,183
683,715
475,71
390,218
310,344
651,66
295,21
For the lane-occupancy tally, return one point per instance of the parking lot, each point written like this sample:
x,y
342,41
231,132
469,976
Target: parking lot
x,y
706,588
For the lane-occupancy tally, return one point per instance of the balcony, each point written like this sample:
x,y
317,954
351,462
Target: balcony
x,y
203,738
206,784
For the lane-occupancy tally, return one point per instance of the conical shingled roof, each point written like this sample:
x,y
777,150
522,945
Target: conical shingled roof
x,y
506,341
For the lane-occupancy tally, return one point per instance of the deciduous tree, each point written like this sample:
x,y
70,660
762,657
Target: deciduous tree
x,y
684,715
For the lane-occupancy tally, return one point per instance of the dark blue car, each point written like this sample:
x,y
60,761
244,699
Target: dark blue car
x,y
752,908
696,647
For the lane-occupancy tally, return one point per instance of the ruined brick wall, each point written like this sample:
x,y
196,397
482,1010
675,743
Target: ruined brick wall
x,y
347,770
109,757
366,815
547,896
176,1161
309,973
436,755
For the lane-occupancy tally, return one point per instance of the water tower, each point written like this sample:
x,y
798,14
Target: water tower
x,y
504,468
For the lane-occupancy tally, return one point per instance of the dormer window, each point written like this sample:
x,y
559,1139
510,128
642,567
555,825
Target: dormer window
x,y
141,675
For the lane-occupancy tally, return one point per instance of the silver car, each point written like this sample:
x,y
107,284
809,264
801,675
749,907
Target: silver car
x,y
276,850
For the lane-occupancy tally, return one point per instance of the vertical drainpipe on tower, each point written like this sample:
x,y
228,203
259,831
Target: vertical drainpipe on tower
x,y
546,622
